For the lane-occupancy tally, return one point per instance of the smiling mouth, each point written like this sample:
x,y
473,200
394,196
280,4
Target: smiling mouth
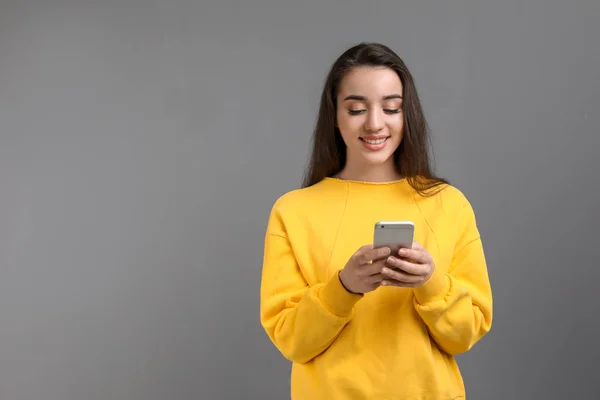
x,y
374,141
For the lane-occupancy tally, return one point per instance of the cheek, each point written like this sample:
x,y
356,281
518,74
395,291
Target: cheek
x,y
348,125
397,125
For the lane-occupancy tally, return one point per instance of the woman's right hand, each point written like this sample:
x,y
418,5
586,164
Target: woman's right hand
x,y
362,273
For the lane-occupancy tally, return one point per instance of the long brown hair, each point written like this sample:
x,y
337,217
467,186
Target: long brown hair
x,y
412,157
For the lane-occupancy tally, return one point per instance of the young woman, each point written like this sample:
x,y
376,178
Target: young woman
x,y
356,321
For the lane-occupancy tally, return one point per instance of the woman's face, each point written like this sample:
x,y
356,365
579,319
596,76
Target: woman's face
x,y
369,114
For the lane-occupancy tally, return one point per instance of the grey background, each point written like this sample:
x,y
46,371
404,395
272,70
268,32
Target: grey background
x,y
142,145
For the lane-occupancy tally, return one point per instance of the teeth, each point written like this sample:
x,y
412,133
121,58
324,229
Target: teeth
x,y
378,141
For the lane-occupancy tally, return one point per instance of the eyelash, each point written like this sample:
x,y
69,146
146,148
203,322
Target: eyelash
x,y
388,111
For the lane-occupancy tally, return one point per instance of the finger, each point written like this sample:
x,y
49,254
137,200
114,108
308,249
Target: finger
x,y
419,256
360,254
379,253
407,266
400,276
375,279
374,255
371,269
392,282
363,250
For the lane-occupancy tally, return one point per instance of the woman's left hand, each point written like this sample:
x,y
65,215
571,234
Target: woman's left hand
x,y
412,267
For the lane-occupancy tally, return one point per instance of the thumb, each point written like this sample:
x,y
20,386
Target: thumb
x,y
363,249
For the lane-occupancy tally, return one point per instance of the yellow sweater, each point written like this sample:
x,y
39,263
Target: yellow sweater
x,y
391,343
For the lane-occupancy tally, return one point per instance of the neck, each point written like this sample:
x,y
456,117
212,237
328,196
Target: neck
x,y
386,172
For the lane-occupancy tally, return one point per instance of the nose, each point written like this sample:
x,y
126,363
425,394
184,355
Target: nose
x,y
374,122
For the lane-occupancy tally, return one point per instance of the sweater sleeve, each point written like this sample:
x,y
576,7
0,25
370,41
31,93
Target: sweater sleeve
x,y
301,320
456,305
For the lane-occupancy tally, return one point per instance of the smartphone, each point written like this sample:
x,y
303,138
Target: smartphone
x,y
394,234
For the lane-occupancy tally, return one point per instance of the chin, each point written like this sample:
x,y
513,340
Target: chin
x,y
378,158
369,157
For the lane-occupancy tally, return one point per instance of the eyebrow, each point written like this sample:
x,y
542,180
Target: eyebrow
x,y
363,98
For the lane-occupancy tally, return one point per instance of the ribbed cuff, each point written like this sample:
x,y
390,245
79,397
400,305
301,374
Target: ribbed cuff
x,y
434,289
337,299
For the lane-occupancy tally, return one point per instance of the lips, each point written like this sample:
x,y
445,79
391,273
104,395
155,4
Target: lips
x,y
374,143
374,140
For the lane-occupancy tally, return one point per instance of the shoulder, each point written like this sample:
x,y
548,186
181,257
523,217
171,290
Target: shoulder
x,y
308,198
449,212
453,198
293,199
303,205
446,198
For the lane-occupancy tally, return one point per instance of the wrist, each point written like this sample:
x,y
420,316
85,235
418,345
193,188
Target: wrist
x,y
344,285
435,288
337,299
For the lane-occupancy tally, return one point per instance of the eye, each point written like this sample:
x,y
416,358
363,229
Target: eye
x,y
355,112
386,110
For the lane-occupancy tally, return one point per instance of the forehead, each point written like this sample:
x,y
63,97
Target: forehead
x,y
372,82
